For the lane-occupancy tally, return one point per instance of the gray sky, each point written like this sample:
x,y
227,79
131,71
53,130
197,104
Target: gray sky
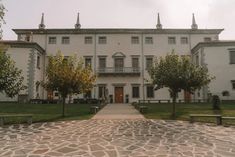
x,y
120,14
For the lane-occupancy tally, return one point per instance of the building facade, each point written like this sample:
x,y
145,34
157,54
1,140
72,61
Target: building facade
x,y
119,57
219,58
29,57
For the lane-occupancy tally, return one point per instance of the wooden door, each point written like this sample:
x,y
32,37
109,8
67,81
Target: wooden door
x,y
50,95
187,96
118,94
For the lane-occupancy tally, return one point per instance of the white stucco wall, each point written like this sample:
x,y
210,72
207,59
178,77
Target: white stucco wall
x,y
121,42
218,63
21,56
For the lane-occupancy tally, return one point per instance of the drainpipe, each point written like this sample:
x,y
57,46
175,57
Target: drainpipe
x,y
44,66
95,63
142,55
190,51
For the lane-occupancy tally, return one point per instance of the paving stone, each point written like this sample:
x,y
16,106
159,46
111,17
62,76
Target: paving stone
x,y
66,150
40,151
111,153
96,147
99,154
103,137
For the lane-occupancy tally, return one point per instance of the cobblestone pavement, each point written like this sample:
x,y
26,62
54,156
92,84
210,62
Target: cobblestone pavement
x,y
134,138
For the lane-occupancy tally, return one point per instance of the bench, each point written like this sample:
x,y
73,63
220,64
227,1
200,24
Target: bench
x,y
227,118
94,109
143,109
218,117
28,116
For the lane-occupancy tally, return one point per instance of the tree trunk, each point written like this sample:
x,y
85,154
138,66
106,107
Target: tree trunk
x,y
173,115
63,108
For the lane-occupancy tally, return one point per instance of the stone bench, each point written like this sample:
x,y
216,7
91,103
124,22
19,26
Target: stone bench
x,y
218,117
28,116
143,109
94,109
227,118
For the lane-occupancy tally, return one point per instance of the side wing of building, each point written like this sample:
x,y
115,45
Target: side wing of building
x,y
29,57
219,58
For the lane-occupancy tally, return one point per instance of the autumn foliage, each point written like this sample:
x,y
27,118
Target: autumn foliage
x,y
68,76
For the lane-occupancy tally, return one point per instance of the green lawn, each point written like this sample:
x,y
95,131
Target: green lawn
x,y
45,112
163,111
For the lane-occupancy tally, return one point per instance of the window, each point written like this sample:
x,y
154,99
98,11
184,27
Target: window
x,y
233,84
232,57
184,40
207,39
171,40
135,40
102,62
198,94
65,40
150,92
37,87
87,94
149,63
27,38
102,40
197,60
101,91
135,62
56,94
118,64
38,62
148,40
52,40
88,40
87,62
135,92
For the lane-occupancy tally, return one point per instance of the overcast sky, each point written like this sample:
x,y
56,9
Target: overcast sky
x,y
120,14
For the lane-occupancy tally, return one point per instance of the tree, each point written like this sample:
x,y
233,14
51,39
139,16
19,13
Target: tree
x,y
2,21
11,81
67,76
178,73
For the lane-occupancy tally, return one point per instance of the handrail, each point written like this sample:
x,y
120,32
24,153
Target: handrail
x,y
119,70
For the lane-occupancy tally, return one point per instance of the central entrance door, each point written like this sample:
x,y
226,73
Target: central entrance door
x,y
187,96
118,94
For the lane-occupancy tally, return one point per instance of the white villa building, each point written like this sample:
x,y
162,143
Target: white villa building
x,y
120,59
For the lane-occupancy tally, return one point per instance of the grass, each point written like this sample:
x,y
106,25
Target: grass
x,y
45,112
163,111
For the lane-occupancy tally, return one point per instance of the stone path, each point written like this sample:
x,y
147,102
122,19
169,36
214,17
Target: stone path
x,y
118,111
125,138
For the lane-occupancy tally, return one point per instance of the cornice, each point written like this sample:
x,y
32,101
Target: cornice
x,y
219,43
117,31
22,44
